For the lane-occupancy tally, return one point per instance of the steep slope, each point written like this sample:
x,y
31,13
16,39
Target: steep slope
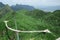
x,y
54,19
38,14
25,22
4,13
4,10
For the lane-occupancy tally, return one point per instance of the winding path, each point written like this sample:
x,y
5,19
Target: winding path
x,y
46,30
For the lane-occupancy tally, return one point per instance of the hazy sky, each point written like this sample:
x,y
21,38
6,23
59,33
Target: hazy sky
x,y
32,2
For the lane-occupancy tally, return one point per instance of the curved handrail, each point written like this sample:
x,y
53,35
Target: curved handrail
x,y
46,30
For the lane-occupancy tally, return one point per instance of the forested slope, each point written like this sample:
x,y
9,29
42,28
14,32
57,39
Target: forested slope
x,y
30,20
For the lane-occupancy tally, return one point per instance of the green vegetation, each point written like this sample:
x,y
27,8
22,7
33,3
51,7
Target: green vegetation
x,y
30,20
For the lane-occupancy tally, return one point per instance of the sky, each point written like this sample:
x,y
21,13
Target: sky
x,y
33,2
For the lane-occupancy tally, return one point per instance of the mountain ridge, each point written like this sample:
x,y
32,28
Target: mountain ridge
x,y
20,7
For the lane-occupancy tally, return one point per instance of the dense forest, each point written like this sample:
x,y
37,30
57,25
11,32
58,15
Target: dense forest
x,y
35,19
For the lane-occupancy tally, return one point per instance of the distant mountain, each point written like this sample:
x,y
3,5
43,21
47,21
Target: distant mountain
x,y
50,8
19,7
1,5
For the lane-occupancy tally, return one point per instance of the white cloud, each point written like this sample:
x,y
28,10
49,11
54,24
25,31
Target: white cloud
x,y
33,2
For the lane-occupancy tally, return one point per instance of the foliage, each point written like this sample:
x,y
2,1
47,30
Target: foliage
x,y
30,20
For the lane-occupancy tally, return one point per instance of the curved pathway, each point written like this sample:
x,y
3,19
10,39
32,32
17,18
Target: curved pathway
x,y
46,30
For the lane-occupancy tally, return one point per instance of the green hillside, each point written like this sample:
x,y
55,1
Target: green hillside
x,y
29,21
